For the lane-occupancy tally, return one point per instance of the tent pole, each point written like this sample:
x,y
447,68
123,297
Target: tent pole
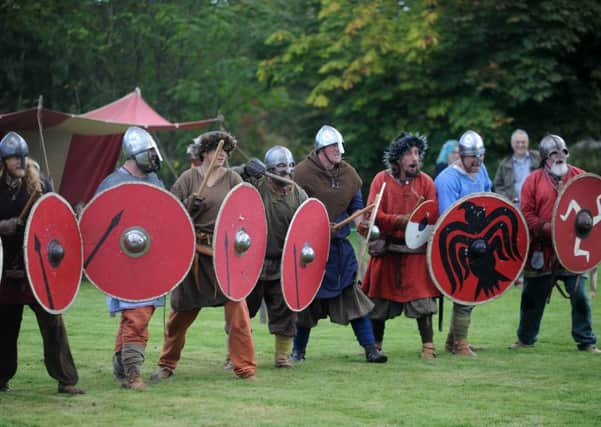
x,y
42,143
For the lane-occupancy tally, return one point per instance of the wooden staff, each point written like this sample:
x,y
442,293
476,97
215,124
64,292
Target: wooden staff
x,y
205,179
353,216
32,199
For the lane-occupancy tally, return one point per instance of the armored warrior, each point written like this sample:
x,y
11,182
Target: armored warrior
x,y
19,180
281,200
325,176
200,288
397,278
465,176
539,192
143,160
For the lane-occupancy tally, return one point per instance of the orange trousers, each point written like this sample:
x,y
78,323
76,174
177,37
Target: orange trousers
x,y
240,342
133,327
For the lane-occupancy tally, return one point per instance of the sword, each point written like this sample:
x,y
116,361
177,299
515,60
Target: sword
x,y
38,248
112,225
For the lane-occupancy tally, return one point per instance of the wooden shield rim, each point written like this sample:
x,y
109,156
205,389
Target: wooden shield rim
x,y
441,219
189,221
414,213
555,212
310,200
36,205
216,232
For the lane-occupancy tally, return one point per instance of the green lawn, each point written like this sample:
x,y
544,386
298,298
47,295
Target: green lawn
x,y
551,384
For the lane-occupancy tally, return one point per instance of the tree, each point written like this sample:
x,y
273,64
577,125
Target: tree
x,y
379,67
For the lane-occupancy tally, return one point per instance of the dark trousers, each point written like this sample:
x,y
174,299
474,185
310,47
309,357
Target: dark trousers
x,y
57,354
534,299
282,320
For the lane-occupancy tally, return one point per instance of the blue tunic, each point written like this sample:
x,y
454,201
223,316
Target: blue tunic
x,y
453,183
120,176
341,268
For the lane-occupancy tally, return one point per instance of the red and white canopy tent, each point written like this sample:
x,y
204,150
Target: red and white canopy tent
x,y
83,149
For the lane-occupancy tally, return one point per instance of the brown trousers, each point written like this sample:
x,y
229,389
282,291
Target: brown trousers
x,y
240,342
133,327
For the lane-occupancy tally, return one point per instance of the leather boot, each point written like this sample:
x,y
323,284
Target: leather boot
x,y
132,358
428,351
462,348
297,356
373,355
135,381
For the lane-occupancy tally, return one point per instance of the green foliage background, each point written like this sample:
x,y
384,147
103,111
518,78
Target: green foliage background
x,y
277,70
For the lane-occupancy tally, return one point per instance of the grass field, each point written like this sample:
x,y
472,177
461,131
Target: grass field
x,y
552,384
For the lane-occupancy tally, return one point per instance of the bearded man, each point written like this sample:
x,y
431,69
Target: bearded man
x,y
397,278
19,180
539,192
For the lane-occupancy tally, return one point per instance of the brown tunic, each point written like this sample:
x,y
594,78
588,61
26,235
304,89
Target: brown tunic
x,y
189,296
334,188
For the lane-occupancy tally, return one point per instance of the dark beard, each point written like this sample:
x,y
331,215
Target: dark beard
x,y
409,174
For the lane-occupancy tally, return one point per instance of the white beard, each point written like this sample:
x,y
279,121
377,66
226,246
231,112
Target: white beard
x,y
559,169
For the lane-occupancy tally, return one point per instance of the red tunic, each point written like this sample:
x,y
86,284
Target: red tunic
x,y
538,197
399,277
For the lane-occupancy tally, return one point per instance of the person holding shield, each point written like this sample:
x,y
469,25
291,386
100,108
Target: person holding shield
x,y
143,160
465,176
538,196
200,288
325,176
281,198
20,181
397,278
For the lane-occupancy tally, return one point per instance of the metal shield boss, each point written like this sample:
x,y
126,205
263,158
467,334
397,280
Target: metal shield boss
x,y
305,255
478,248
576,230
240,241
138,241
53,253
421,224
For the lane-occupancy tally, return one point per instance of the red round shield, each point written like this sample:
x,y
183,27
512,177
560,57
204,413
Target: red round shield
x,y
478,248
421,224
305,255
576,230
240,241
138,241
53,253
